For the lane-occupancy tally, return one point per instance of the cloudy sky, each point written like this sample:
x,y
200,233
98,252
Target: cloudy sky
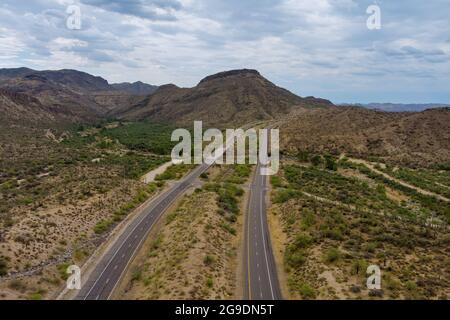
x,y
317,47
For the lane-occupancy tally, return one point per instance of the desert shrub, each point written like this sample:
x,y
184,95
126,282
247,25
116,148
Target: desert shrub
x,y
3,267
276,181
228,228
227,201
302,156
316,160
143,136
306,291
303,240
173,172
62,270
330,163
35,296
294,257
332,255
411,285
242,170
209,260
136,274
156,244
284,195
209,283
102,226
359,267
307,218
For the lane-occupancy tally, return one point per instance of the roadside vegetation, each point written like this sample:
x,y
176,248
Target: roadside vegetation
x,y
63,190
339,217
194,254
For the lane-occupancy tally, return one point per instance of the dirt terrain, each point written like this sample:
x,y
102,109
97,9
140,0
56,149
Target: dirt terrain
x,y
330,225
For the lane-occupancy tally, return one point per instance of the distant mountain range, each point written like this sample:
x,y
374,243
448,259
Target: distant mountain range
x,y
137,88
399,107
233,97
227,100
62,95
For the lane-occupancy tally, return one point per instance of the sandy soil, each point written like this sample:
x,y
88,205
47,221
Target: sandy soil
x,y
422,191
150,176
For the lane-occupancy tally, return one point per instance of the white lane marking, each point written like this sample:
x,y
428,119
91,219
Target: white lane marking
x,y
107,280
197,171
115,267
123,243
264,244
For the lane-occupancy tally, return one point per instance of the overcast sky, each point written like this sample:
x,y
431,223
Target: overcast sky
x,y
318,47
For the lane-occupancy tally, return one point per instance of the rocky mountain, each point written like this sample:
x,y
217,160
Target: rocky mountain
x,y
136,88
406,137
400,107
18,107
228,98
66,95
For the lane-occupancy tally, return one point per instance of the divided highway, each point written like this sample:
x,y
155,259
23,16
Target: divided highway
x,y
107,274
261,280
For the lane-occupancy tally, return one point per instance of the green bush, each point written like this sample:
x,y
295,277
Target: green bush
x,y
276,181
330,163
227,201
359,267
306,291
303,241
284,195
332,255
229,228
102,226
294,257
209,283
62,270
143,136
316,160
209,260
35,296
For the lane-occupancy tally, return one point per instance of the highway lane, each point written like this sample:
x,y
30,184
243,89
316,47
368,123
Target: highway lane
x,y
261,280
107,274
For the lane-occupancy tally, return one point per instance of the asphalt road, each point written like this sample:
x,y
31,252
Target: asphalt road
x,y
105,277
260,269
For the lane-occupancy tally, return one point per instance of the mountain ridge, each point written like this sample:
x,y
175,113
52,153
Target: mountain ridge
x,y
233,97
66,95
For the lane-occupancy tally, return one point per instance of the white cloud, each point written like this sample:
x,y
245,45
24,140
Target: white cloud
x,y
320,47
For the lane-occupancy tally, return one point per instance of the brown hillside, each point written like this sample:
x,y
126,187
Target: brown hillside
x,y
63,95
228,98
413,138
